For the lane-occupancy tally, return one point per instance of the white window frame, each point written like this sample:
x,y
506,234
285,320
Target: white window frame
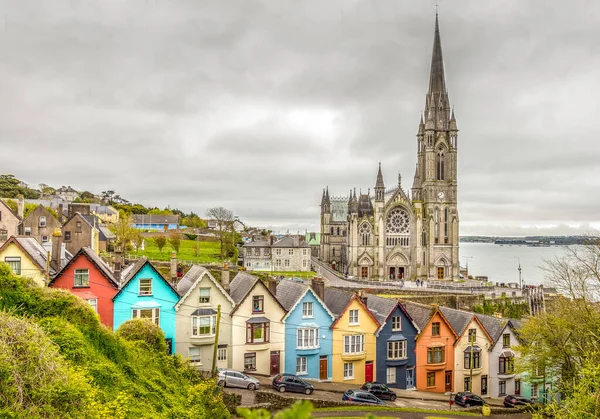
x,y
45,239
221,354
287,263
396,324
301,365
83,275
94,303
201,298
353,318
27,231
136,313
196,323
348,370
354,344
308,310
397,348
42,221
390,375
304,263
147,290
307,338
12,261
195,354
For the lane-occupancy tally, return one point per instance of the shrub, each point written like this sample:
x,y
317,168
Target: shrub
x,y
144,330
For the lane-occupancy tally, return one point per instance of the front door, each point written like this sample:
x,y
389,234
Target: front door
x,y
401,273
274,363
392,273
323,368
364,271
440,272
410,378
484,389
368,371
448,380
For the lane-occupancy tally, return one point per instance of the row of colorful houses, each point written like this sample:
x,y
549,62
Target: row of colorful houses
x,y
314,331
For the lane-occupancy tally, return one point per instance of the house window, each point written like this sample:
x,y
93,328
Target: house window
x,y
146,286
14,263
42,221
467,383
435,355
397,349
476,359
44,239
353,317
278,252
222,354
82,278
195,354
204,326
506,340
248,264
78,227
472,335
396,324
435,329
348,370
534,391
308,338
502,388
304,252
301,365
28,231
506,365
257,332
304,264
291,251
431,379
204,296
307,310
258,304
67,236
354,344
267,252
333,252
257,252
278,262
390,376
518,387
287,263
94,303
152,314
250,361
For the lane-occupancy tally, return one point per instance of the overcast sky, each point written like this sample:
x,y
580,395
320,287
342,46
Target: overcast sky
x,y
257,106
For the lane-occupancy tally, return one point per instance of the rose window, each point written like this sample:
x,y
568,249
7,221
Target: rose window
x,y
398,221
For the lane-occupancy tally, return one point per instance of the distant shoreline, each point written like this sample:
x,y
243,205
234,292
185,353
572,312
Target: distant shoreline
x,y
532,241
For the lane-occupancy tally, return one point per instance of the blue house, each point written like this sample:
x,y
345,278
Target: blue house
x,y
146,294
396,343
155,222
308,343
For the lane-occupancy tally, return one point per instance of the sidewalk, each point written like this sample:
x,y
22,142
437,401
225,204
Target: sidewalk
x,y
402,394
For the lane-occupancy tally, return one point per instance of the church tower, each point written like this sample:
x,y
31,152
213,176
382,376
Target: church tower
x,y
326,218
434,191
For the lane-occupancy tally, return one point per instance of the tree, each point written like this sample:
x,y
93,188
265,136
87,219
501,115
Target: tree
x,y
144,330
175,241
224,218
125,233
11,187
137,239
160,241
46,190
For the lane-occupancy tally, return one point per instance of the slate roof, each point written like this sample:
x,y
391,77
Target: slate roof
x,y
35,250
336,300
241,285
313,239
189,278
458,319
258,243
289,241
493,325
420,313
129,272
380,307
155,219
96,260
288,293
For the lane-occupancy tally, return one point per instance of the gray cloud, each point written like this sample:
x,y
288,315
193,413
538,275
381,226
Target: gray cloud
x,y
258,105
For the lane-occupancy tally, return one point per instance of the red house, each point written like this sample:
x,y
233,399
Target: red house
x,y
89,277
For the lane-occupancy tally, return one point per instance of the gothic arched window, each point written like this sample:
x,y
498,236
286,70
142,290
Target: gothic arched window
x,y
332,231
436,230
439,165
365,234
338,231
423,238
446,224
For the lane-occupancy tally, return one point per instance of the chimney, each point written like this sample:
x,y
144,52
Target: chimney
x,y
173,268
21,206
318,287
118,265
55,262
360,293
225,277
271,239
272,285
60,213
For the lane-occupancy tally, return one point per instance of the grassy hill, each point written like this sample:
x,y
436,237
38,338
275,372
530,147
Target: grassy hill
x,y
208,251
58,361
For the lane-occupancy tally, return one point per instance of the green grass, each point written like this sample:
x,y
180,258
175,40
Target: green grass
x,y
294,274
208,251
393,409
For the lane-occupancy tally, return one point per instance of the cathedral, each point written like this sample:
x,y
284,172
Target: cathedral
x,y
396,233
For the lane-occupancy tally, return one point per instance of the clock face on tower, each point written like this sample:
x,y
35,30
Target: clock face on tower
x,y
440,195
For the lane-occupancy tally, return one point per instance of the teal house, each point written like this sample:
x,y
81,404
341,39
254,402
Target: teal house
x,y
308,335
144,293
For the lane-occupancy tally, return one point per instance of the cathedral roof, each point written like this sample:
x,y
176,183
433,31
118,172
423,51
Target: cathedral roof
x,y
365,206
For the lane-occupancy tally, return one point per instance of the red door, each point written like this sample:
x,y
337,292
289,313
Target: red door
x,y
274,363
369,371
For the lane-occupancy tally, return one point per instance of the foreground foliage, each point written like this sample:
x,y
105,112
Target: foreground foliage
x,y
58,361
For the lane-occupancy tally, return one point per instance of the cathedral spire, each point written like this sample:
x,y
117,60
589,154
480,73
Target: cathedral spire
x,y
379,183
437,79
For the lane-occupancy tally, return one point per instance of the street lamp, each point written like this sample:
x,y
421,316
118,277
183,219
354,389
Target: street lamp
x,y
468,257
520,281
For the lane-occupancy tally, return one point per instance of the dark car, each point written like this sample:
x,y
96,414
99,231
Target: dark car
x,y
289,382
514,401
468,399
359,396
380,390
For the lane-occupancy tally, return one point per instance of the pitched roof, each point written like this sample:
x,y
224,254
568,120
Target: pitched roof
x,y
289,292
361,302
131,271
493,325
29,245
313,239
420,313
257,243
191,279
96,261
155,219
380,307
240,286
336,300
458,319
289,241
8,207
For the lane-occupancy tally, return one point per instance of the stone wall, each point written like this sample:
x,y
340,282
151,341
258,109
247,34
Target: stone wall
x,y
278,402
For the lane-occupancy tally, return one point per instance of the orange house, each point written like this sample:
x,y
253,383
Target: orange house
x,y
435,349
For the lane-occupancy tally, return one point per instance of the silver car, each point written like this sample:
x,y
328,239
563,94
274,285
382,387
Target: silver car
x,y
231,378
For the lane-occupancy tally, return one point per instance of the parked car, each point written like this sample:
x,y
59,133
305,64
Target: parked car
x,y
380,390
514,401
289,382
231,378
468,399
359,396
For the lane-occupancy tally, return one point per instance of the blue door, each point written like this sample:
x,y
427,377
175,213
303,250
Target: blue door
x,y
410,377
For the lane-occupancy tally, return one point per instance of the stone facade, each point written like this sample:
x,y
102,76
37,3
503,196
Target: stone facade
x,y
290,254
394,234
40,224
78,232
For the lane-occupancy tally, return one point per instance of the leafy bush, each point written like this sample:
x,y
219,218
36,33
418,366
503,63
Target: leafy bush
x,y
144,330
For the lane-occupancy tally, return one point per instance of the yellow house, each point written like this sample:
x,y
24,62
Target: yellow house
x,y
353,335
26,257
